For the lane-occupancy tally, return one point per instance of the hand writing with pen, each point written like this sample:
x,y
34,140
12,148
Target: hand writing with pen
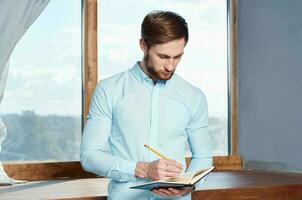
x,y
160,169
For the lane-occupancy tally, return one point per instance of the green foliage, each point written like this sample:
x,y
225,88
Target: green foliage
x,y
36,137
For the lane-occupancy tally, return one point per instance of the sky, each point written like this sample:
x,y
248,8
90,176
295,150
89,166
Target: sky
x,y
45,67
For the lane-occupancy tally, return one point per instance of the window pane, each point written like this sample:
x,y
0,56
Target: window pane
x,y
42,101
204,63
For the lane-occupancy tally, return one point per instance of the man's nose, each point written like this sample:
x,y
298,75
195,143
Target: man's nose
x,y
170,66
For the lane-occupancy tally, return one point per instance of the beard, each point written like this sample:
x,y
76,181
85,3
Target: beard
x,y
156,74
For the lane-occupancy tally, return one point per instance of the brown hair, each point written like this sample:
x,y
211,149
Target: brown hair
x,y
159,27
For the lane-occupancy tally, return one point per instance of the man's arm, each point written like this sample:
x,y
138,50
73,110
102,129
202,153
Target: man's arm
x,y
199,138
94,154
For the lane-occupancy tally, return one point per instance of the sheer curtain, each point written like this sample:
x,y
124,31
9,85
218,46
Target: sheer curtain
x,y
16,16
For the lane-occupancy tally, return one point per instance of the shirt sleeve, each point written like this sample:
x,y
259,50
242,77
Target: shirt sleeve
x,y
94,154
199,138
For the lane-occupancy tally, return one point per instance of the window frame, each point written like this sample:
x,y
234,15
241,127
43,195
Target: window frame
x,y
233,77
51,170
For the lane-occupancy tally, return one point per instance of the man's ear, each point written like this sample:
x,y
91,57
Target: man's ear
x,y
143,45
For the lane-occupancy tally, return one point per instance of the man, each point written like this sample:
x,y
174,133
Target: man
x,y
148,104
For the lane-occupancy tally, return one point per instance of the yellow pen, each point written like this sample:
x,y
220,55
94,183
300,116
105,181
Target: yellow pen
x,y
156,152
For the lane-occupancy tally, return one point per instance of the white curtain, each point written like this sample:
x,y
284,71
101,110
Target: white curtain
x,y
16,16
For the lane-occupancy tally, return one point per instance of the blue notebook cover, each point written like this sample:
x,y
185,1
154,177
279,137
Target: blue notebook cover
x,y
174,183
159,185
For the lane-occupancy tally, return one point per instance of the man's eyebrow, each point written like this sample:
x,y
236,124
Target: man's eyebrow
x,y
165,55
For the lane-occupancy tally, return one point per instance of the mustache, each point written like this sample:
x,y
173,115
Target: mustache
x,y
168,72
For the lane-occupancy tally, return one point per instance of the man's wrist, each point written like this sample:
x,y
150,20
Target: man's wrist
x,y
141,170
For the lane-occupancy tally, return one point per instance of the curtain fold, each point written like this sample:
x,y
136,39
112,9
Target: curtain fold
x,y
16,16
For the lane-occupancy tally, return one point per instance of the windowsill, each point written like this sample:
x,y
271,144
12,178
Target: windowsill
x,y
237,184
57,189
36,171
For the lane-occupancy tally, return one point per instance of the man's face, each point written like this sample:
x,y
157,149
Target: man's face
x,y
161,60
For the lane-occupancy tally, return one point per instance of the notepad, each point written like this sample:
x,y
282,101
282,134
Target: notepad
x,y
182,181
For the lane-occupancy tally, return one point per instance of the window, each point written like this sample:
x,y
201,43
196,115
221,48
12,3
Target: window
x,y
42,101
204,63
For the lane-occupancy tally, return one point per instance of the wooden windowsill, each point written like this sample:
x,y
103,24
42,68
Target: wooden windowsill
x,y
238,184
89,188
35,171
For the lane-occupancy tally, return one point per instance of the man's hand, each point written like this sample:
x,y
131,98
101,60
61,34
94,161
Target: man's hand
x,y
172,192
158,169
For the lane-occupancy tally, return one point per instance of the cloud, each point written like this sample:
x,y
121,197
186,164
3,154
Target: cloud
x,y
45,89
117,34
194,11
69,35
76,31
118,51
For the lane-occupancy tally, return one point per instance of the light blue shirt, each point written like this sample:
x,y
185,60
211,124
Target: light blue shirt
x,y
127,111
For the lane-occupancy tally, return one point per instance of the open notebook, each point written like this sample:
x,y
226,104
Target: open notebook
x,y
184,180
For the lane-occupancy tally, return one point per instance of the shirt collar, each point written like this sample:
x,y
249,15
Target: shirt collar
x,y
140,75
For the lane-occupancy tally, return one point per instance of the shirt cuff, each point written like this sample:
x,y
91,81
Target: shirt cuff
x,y
123,171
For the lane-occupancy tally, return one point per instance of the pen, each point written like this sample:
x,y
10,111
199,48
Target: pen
x,y
156,152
